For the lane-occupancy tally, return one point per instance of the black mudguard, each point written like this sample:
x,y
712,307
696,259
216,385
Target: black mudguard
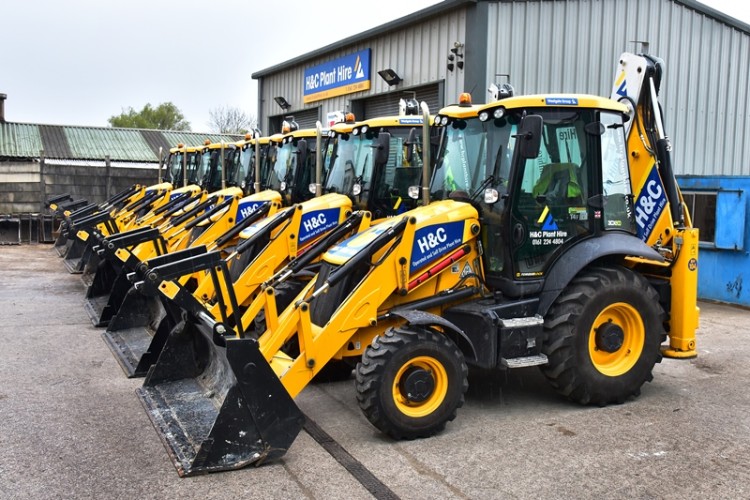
x,y
583,253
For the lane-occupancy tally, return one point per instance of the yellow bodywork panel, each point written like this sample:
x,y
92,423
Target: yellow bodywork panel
x,y
438,241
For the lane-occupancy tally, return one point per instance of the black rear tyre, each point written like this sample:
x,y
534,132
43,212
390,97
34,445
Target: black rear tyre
x,y
411,381
603,336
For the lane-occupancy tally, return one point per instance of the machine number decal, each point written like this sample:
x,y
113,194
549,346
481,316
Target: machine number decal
x,y
350,246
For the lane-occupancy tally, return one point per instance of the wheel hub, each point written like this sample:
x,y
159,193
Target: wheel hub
x,y
609,337
417,384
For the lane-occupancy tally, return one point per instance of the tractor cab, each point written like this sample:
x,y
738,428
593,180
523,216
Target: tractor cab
x,y
544,172
241,163
376,161
216,166
182,160
289,166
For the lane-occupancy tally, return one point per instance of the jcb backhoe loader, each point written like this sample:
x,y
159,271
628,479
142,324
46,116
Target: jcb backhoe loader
x,y
122,254
136,330
366,161
182,165
205,168
375,161
541,255
109,221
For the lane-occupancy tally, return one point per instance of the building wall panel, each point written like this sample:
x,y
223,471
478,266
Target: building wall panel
x,y
573,45
418,54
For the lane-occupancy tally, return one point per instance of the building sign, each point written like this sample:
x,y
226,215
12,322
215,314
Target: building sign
x,y
344,75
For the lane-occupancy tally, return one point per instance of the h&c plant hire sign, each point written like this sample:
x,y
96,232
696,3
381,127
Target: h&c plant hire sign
x,y
347,74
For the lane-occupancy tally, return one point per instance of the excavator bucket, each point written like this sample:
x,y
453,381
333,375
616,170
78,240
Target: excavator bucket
x,y
215,410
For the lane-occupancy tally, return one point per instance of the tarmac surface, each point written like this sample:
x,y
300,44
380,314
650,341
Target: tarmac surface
x,y
72,427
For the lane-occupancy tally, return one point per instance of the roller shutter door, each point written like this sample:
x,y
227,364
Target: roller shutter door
x,y
387,104
305,118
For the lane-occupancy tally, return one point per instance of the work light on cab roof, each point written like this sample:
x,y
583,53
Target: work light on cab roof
x,y
408,107
289,125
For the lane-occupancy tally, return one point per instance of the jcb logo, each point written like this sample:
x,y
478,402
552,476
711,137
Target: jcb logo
x,y
314,222
647,204
431,240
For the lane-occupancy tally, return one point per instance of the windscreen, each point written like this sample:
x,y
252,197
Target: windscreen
x,y
473,155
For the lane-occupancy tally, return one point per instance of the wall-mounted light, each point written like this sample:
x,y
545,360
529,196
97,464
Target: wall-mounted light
x,y
456,54
282,102
390,77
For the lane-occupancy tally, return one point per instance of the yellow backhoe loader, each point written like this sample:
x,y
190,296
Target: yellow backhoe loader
x,y
559,239
366,161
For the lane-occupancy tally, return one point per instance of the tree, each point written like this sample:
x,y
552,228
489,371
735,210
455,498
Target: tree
x,y
165,116
228,120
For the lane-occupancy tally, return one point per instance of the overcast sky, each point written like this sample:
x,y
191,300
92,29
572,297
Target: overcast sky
x,y
78,62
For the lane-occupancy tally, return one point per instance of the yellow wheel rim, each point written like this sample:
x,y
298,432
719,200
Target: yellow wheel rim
x,y
616,339
427,366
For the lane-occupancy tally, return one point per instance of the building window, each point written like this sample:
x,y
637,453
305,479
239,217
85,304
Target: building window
x,y
702,208
720,217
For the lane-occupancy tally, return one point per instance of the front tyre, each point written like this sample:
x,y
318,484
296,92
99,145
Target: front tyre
x,y
411,381
604,334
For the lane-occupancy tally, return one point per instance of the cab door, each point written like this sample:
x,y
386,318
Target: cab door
x,y
549,202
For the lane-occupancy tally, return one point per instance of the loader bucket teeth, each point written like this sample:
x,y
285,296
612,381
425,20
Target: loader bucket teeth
x,y
217,408
136,334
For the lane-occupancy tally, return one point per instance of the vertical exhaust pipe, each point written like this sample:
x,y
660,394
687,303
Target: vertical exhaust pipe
x,y
161,164
318,158
425,153
184,167
256,184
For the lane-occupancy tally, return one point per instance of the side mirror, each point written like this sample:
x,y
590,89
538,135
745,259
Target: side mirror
x,y
529,136
411,143
382,148
302,150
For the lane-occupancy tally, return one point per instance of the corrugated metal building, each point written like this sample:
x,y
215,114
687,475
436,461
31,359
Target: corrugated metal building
x,y
555,46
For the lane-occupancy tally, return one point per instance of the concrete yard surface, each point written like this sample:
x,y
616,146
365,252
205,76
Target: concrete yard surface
x,y
71,425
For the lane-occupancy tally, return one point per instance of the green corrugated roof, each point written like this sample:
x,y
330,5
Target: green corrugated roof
x,y
24,140
19,140
123,144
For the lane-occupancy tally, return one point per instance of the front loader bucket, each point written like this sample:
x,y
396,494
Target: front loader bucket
x,y
106,293
73,259
217,408
90,268
61,242
137,332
